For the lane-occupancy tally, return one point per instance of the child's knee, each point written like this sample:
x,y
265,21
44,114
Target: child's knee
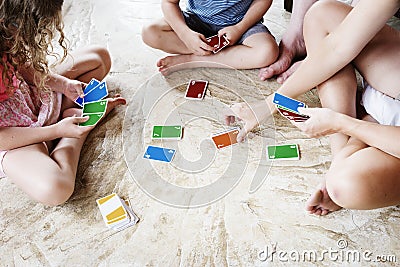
x,y
317,13
102,56
346,187
55,191
267,53
151,35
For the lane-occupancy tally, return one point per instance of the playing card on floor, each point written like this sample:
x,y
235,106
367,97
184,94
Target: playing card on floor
x,y
167,132
159,153
225,138
196,89
117,213
283,152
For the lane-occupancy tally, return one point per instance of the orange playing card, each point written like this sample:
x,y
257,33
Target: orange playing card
x,y
226,138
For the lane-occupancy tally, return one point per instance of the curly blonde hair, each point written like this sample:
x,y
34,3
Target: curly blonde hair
x,y
27,28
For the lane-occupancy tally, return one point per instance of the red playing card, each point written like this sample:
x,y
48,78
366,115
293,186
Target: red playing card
x,y
196,89
213,41
226,138
218,42
293,116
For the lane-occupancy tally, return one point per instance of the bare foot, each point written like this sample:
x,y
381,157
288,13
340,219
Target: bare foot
x,y
170,64
114,102
320,203
291,48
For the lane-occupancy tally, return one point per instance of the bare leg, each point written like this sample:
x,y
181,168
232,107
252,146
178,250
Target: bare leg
x,y
86,63
257,51
364,177
49,179
160,35
338,93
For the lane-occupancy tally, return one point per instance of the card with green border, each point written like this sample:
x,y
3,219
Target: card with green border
x,y
283,152
95,107
167,132
93,119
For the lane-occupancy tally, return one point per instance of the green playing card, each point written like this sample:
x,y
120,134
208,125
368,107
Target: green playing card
x,y
167,132
95,107
93,119
283,152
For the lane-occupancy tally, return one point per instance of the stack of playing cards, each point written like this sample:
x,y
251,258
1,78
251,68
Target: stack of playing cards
x,y
116,212
225,138
217,42
288,107
92,103
283,152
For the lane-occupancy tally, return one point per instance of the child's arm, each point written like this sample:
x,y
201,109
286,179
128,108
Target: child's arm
x,y
194,41
58,83
253,15
15,137
383,137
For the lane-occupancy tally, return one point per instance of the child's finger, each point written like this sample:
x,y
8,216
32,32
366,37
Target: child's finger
x,y
78,120
80,90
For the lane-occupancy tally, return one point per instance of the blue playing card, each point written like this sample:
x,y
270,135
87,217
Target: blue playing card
x,y
89,87
97,93
159,153
287,102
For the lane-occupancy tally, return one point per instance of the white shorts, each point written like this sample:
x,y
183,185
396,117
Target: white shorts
x,y
384,109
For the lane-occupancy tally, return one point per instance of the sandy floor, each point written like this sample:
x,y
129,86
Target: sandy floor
x,y
225,224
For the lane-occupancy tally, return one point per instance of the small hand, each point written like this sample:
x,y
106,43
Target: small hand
x,y
322,122
68,127
251,116
197,44
232,33
74,89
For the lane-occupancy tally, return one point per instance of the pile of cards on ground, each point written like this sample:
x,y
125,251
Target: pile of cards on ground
x,y
195,90
116,212
93,104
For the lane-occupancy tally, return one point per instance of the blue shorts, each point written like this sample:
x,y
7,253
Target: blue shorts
x,y
208,30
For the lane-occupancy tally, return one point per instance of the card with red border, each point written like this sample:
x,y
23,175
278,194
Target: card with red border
x,y
225,138
218,42
196,89
290,115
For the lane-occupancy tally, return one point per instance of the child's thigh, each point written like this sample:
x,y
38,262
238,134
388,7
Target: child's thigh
x,y
32,169
376,62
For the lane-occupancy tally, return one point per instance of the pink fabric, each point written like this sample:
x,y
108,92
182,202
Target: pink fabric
x,y
29,108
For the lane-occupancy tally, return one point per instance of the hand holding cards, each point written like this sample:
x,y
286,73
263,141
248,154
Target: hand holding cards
x,y
93,105
288,107
218,42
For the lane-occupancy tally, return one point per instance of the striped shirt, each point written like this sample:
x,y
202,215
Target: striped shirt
x,y
219,12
